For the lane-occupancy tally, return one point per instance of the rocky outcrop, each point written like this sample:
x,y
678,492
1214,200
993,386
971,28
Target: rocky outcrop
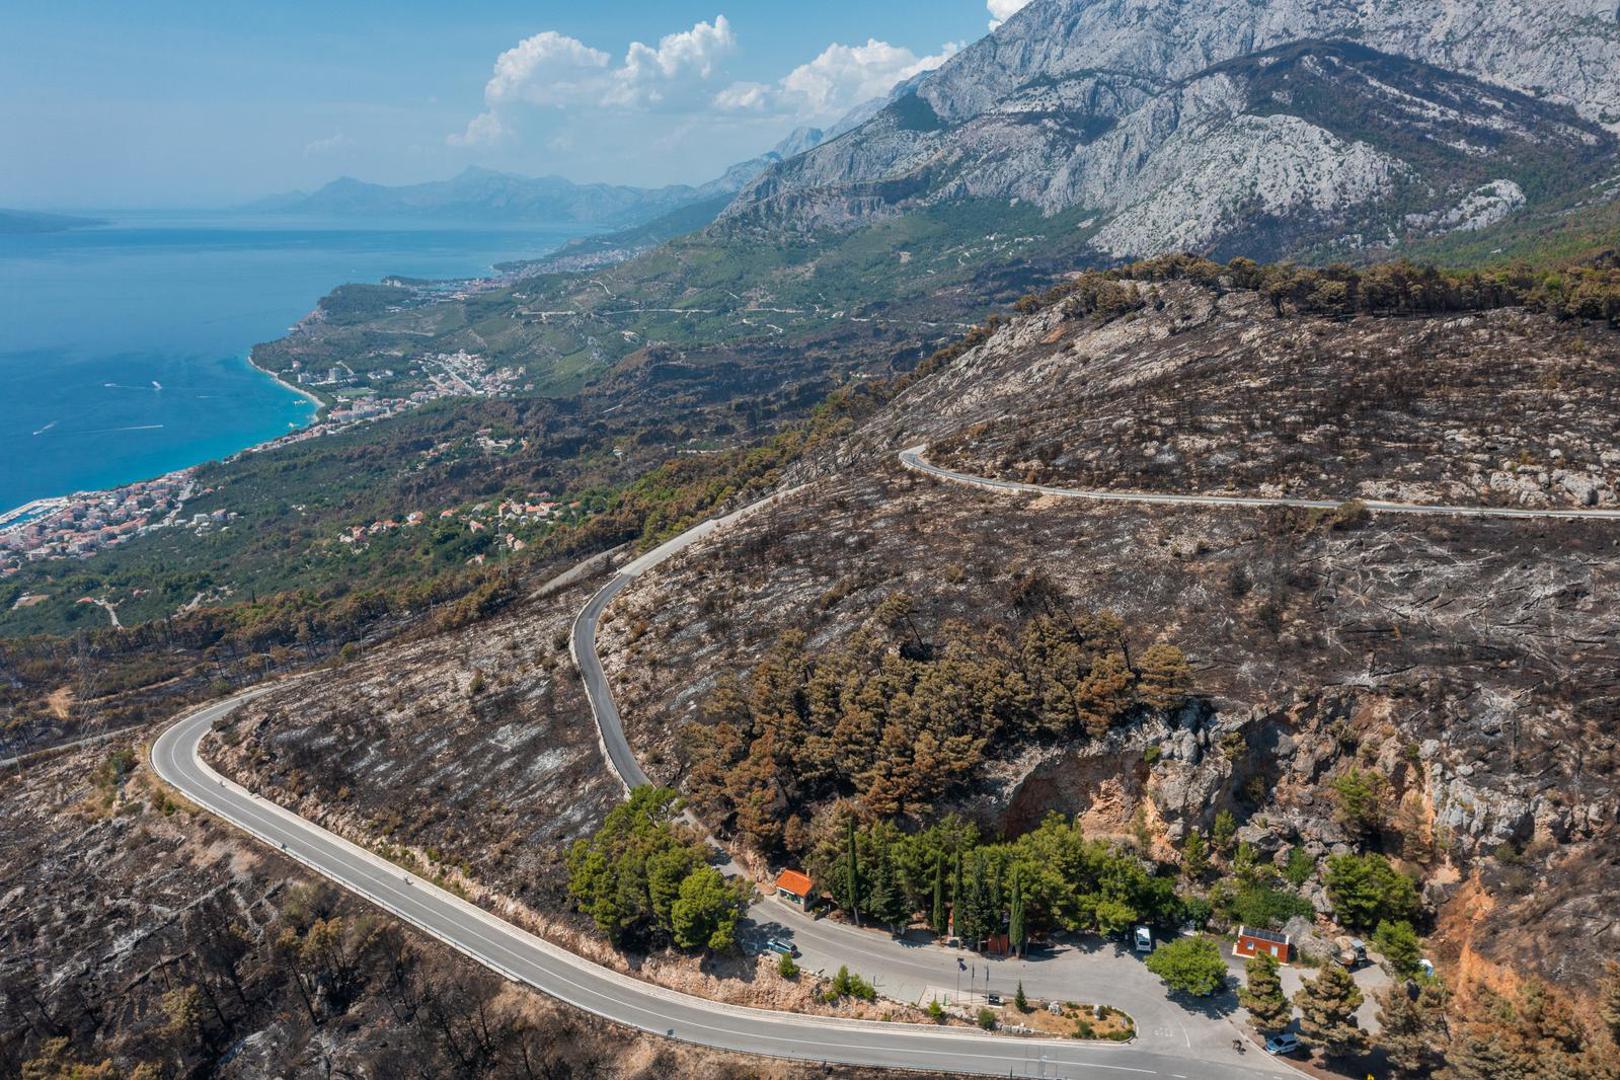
x,y
1162,124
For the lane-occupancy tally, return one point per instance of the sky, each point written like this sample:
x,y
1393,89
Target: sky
x,y
173,103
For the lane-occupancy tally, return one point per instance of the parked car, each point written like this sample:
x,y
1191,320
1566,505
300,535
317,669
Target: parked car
x,y
1286,1043
783,948
1144,939
1352,952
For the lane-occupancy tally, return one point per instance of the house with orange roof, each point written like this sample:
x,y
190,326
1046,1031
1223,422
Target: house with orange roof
x,y
795,887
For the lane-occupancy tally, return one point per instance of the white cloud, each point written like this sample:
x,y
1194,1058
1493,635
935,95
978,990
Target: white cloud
x,y
546,69
552,70
1002,10
745,96
680,59
842,77
329,145
484,128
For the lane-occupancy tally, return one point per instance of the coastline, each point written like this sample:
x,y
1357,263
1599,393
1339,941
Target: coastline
x,y
14,517
114,512
321,405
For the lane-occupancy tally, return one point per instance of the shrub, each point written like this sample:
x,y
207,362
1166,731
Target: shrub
x,y
1398,943
1189,965
1264,907
787,967
1366,889
987,1019
1301,865
845,984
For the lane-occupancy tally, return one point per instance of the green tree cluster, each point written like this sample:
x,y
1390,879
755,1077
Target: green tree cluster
x,y
1394,288
642,877
1049,878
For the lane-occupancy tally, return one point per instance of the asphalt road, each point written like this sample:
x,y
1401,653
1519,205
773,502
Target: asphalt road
x,y
1193,1045
913,459
582,639
525,958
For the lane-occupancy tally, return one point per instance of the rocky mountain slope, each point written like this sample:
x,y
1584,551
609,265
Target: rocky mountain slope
x,y
1467,663
1261,129
1496,408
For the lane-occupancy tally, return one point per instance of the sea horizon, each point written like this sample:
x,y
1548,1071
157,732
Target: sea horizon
x,y
126,345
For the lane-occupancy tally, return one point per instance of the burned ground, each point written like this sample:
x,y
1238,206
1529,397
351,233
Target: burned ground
x,y
1207,393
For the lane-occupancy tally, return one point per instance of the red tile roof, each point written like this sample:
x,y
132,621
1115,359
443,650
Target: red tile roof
x,y
794,882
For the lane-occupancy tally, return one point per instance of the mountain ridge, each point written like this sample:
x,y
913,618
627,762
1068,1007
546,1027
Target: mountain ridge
x,y
482,194
1148,115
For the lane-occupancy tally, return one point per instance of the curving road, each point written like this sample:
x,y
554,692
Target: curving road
x,y
913,459
1193,1045
525,958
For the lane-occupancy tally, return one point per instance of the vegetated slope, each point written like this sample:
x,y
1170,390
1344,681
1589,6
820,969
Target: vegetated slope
x,y
1258,129
1468,663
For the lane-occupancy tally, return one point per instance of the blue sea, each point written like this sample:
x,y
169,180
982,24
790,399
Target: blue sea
x,y
123,347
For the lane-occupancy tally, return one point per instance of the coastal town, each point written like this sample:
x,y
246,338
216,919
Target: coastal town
x,y
81,524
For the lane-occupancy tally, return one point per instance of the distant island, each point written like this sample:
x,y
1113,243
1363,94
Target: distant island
x,y
18,222
484,195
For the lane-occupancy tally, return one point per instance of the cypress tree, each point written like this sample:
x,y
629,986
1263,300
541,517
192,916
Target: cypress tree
x,y
957,896
973,921
1015,922
936,914
854,874
885,901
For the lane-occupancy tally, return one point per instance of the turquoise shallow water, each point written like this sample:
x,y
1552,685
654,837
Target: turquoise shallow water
x,y
123,347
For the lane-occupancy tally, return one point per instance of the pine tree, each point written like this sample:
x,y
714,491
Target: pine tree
x,y
1413,1030
1103,696
1020,1001
1194,856
1163,677
884,899
1327,1006
1269,1010
1225,829
1609,999
937,918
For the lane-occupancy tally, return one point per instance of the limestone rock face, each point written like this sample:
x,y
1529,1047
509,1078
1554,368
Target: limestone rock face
x,y
1174,124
